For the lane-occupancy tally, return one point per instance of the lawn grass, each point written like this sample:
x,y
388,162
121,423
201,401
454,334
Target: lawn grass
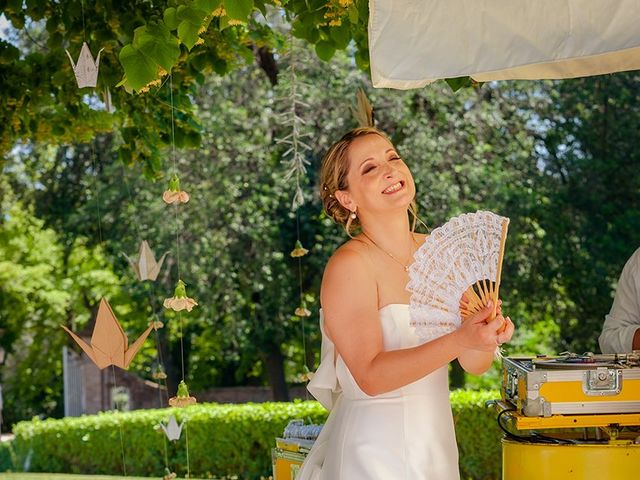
x,y
64,476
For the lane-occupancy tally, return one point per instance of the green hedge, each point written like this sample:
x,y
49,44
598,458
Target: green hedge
x,y
224,439
7,457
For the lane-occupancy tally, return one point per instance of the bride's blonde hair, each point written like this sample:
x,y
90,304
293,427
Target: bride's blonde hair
x,y
333,177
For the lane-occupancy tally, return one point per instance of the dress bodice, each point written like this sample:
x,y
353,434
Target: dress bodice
x,y
333,376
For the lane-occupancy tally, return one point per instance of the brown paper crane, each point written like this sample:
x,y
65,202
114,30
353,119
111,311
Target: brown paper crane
x,y
109,343
146,267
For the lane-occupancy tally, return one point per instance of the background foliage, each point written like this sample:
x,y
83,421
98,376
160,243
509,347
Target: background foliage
x,y
77,185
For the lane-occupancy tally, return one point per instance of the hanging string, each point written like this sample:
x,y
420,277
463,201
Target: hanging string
x,y
175,170
166,454
84,34
180,323
186,440
115,389
296,164
304,336
97,189
98,202
152,303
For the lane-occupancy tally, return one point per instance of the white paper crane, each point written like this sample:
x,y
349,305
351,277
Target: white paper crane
x,y
146,267
172,429
86,70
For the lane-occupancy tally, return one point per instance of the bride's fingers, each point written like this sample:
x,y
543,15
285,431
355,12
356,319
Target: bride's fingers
x,y
482,314
506,335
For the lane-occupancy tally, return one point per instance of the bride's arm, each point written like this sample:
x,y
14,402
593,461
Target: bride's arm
x,y
350,305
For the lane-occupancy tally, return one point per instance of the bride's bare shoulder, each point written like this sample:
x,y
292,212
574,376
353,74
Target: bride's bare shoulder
x,y
348,275
350,254
350,262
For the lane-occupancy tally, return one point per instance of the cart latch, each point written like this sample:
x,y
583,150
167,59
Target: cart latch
x,y
602,381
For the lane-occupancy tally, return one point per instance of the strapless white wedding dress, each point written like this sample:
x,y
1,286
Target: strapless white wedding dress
x,y
400,435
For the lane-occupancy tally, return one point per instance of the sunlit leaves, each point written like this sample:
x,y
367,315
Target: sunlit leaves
x,y
238,9
151,54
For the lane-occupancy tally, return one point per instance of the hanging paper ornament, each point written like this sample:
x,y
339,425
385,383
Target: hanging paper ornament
x,y
108,106
86,70
146,267
108,341
180,301
302,311
174,194
170,475
158,375
182,398
157,325
298,250
307,374
172,429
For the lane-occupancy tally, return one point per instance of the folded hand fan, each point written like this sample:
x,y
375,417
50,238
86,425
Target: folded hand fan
x,y
463,256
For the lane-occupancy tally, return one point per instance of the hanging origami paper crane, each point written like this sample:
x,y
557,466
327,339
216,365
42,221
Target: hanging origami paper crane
x,y
182,398
145,266
108,106
174,194
172,429
180,301
109,343
86,70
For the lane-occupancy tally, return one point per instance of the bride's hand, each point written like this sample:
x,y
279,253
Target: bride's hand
x,y
479,333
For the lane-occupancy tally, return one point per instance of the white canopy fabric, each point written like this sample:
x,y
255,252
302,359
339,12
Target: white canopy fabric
x,y
415,42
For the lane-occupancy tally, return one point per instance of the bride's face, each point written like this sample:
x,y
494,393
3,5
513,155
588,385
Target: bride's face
x,y
378,178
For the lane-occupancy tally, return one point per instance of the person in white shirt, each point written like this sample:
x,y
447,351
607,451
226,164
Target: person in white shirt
x,y
621,329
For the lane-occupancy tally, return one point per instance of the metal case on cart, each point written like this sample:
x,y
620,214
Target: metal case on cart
x,y
572,384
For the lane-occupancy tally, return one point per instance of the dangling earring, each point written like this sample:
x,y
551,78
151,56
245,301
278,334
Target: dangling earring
x,y
350,219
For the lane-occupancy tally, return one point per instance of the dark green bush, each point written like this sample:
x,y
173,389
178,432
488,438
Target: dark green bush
x,y
224,439
7,459
478,435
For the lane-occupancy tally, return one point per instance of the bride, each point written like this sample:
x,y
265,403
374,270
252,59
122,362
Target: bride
x,y
388,393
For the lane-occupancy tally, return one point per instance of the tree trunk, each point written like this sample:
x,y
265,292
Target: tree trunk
x,y
268,63
274,361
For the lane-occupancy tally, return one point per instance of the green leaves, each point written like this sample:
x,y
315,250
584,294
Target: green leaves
x,y
153,51
139,70
190,20
457,83
190,26
238,9
325,50
8,53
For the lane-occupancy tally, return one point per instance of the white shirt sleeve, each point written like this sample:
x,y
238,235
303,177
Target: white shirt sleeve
x,y
623,320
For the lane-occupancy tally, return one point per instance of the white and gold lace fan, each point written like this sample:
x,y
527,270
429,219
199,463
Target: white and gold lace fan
x,y
463,256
